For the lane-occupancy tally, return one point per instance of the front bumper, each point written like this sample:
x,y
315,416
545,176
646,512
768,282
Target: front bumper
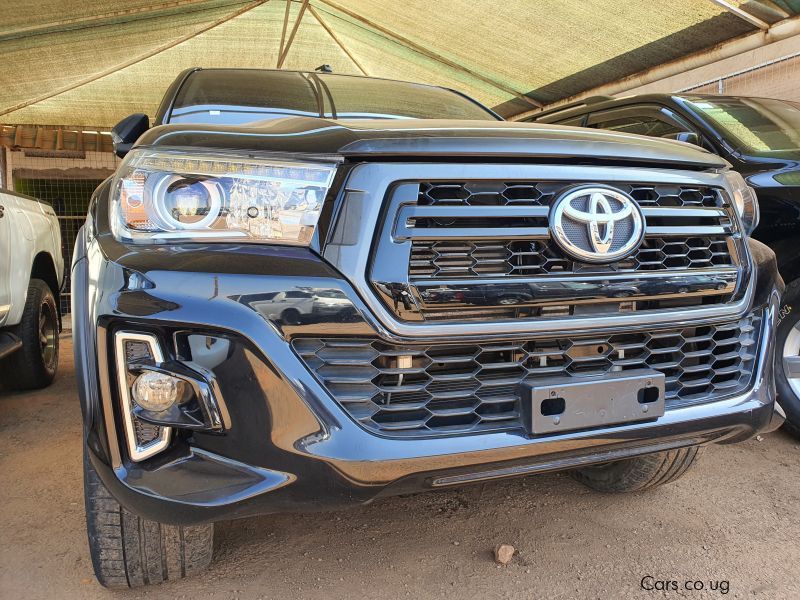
x,y
290,446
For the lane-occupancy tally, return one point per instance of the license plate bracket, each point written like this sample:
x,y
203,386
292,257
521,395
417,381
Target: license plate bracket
x,y
570,403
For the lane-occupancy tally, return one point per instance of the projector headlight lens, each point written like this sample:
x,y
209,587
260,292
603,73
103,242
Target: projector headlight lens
x,y
161,196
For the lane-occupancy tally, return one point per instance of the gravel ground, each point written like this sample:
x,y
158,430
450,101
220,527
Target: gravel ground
x,y
732,523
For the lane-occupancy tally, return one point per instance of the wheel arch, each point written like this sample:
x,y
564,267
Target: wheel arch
x,y
44,268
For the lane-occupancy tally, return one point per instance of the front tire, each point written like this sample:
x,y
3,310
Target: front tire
x,y
639,473
34,365
128,551
787,358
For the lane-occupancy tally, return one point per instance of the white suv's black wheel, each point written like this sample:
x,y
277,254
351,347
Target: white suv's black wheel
x,y
128,551
34,365
787,358
639,473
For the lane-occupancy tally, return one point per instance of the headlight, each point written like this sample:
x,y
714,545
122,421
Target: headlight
x,y
745,201
173,195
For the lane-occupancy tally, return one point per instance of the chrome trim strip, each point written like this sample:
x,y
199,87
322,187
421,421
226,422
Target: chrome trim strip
x,y
693,231
679,212
723,272
624,287
137,452
413,211
403,232
366,195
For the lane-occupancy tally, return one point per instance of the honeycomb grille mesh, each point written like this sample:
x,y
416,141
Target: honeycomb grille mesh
x,y
521,258
521,193
460,388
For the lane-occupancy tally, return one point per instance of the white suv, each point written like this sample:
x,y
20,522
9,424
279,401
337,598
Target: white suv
x,y
31,276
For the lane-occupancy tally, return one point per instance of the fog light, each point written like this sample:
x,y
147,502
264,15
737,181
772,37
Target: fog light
x,y
157,392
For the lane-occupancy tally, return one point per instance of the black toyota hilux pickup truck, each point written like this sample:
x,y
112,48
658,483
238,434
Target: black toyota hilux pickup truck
x,y
305,291
760,137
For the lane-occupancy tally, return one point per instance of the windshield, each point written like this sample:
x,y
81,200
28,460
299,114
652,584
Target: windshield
x,y
241,96
753,125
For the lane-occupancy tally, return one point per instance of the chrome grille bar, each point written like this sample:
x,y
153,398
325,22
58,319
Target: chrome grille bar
x,y
678,213
693,230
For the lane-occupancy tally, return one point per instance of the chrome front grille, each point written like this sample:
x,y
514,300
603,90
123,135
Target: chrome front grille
x,y
482,249
436,389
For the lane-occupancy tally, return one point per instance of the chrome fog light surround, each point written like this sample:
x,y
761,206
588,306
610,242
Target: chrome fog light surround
x,y
137,451
196,404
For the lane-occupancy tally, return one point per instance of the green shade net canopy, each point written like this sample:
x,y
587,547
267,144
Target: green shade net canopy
x,y
90,63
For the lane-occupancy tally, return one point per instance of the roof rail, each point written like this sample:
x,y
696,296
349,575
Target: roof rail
x,y
576,104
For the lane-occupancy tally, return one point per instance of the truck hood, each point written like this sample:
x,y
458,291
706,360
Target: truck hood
x,y
432,138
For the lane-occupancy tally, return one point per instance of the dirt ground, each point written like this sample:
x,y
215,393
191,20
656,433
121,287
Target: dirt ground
x,y
733,523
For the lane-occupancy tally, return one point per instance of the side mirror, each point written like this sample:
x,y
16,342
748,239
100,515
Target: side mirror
x,y
127,131
690,137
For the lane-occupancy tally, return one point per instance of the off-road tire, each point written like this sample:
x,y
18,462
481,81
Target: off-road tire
x,y
639,473
128,551
30,367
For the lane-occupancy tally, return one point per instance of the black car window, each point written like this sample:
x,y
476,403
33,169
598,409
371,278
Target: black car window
x,y
753,125
240,96
652,120
644,125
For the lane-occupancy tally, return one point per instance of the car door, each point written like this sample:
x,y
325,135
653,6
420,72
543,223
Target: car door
x,y
18,252
6,217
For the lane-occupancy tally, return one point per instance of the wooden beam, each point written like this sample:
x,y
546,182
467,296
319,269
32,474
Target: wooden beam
x,y
742,14
285,27
430,53
135,60
327,28
285,52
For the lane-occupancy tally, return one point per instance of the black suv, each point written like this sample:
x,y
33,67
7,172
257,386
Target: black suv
x,y
306,290
760,137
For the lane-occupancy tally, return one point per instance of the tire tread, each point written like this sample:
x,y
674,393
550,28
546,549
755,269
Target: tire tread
x,y
25,369
639,473
128,551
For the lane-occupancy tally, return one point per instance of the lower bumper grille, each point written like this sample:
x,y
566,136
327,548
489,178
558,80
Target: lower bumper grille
x,y
424,390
